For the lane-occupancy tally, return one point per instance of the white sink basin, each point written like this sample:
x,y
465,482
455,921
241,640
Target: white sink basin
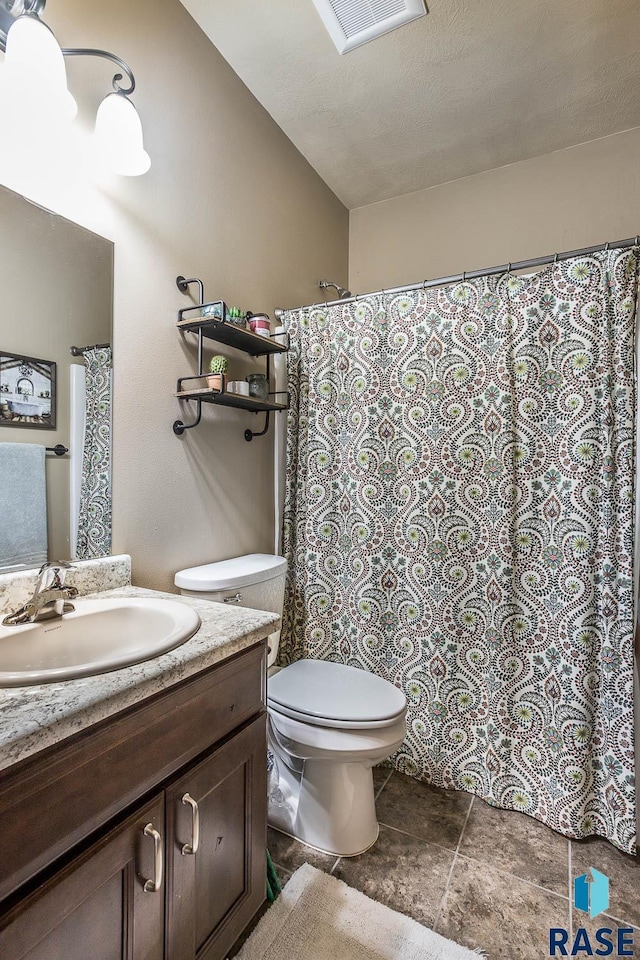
x,y
100,635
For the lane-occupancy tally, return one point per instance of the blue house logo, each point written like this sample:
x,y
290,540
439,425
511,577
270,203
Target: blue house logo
x,y
591,894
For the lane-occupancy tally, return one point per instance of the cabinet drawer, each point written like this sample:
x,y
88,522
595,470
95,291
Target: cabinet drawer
x,y
57,798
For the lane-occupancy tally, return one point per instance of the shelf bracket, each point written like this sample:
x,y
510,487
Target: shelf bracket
x,y
183,286
179,427
250,434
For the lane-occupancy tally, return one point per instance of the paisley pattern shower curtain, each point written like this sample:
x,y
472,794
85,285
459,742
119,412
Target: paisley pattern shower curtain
x,y
459,520
94,525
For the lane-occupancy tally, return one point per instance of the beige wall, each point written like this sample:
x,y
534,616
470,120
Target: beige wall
x,y
573,198
228,199
57,291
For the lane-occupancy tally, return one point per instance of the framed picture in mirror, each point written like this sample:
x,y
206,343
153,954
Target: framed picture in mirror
x,y
27,392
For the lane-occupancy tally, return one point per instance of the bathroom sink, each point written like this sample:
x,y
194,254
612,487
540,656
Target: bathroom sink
x,y
100,635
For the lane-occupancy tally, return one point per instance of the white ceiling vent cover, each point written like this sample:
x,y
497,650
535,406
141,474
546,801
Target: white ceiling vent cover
x,y
353,22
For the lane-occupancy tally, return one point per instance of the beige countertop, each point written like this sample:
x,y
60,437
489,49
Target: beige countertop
x,y
35,717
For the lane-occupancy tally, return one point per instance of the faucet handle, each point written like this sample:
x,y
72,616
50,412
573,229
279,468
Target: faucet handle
x,y
56,582
62,564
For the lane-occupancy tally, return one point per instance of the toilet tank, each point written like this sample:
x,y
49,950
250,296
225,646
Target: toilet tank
x,y
255,580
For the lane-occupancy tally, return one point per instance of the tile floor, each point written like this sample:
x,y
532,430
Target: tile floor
x,y
483,877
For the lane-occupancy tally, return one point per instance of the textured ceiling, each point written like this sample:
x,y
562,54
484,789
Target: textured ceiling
x,y
474,85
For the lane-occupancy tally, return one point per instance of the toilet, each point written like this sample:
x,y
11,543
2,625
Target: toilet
x,y
328,723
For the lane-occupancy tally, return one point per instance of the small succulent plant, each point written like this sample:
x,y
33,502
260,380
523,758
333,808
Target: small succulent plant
x,y
218,364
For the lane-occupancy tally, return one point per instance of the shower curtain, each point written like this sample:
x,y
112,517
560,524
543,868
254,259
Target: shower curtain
x,y
94,522
459,520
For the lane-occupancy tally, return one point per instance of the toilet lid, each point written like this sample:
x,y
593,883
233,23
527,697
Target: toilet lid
x,y
333,691
230,574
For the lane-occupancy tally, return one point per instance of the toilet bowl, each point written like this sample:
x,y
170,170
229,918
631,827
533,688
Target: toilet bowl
x,y
328,723
329,726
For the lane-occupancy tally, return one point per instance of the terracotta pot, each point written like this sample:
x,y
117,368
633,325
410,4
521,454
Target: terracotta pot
x,y
215,381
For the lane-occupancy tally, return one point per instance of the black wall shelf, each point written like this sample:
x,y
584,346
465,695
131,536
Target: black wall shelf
x,y
229,334
230,400
232,336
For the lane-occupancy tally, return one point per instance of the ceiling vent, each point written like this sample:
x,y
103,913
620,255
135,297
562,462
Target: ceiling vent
x,y
353,22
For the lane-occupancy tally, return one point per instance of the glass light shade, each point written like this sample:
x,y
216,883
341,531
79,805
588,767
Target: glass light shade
x,y
118,136
35,71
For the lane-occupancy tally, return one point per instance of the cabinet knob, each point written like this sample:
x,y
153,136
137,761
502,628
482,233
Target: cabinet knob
x,y
189,849
152,886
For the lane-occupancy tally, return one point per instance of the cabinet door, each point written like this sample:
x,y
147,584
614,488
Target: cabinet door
x,y
219,808
97,906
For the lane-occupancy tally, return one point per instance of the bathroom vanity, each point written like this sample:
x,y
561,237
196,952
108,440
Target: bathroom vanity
x,y
142,834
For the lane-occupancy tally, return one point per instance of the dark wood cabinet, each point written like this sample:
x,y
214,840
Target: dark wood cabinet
x,y
213,888
89,877
96,906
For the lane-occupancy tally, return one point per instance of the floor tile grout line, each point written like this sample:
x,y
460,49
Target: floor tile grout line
x,y
436,919
464,825
384,784
413,836
514,876
623,923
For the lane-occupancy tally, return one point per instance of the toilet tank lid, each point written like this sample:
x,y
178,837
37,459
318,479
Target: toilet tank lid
x,y
334,691
228,574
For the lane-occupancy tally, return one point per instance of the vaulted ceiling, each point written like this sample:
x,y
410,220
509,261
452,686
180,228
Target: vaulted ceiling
x,y
474,85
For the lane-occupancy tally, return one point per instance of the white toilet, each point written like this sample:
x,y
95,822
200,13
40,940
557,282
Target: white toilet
x,y
329,724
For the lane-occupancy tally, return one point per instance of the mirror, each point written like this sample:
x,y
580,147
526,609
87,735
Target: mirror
x,y
56,282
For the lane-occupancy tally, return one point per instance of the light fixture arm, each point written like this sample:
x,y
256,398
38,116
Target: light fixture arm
x,y
88,52
10,10
37,64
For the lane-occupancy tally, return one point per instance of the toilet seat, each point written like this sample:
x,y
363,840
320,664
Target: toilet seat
x,y
327,694
319,742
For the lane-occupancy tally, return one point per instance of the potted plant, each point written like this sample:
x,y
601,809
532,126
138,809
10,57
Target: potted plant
x,y
218,366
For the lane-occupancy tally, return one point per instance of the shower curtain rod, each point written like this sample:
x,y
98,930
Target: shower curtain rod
x,y
474,274
79,351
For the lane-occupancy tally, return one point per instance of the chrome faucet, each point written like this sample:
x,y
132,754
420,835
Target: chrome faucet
x,y
51,599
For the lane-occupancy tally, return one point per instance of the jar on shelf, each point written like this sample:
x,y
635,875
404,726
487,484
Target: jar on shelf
x,y
258,386
235,316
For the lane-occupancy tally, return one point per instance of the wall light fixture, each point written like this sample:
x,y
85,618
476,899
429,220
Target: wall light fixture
x,y
35,82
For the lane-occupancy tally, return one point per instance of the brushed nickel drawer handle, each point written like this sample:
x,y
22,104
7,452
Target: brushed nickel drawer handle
x,y
192,848
152,886
235,599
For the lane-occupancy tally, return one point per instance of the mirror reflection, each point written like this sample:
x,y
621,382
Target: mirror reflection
x,y
55,387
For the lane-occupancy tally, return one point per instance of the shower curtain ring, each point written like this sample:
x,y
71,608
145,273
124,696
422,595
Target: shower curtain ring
x,y
509,269
606,246
637,240
555,259
464,276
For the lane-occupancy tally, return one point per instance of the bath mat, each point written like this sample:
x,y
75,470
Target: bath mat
x,y
318,917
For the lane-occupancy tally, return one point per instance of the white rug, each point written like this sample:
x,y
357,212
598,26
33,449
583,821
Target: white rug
x,y
317,917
